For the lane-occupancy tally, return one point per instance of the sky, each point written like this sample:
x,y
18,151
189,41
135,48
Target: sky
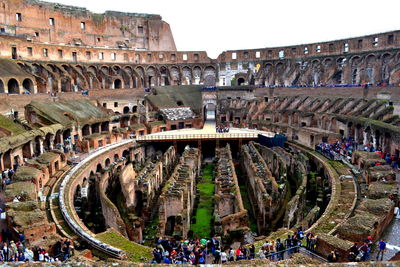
x,y
219,25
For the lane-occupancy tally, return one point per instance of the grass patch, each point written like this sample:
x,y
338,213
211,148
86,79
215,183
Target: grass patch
x,y
202,227
134,251
204,212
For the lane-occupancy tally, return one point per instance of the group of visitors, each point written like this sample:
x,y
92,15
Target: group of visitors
x,y
347,146
362,252
392,160
62,251
222,128
203,251
12,251
198,251
334,151
364,85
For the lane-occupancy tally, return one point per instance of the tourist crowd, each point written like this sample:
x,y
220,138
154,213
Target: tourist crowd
x,y
203,251
222,128
363,252
346,147
334,151
364,85
15,250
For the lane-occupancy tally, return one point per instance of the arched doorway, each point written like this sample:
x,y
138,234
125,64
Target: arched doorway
x,y
1,86
117,84
240,81
13,86
138,203
126,110
170,225
28,85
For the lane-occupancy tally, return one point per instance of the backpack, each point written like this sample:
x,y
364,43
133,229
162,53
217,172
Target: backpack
x,y
201,260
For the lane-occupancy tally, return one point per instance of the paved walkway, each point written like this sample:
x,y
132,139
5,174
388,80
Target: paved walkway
x,y
207,132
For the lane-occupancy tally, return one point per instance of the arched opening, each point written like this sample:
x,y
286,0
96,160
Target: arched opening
x,y
86,130
48,142
138,203
26,150
28,85
7,160
95,128
116,157
117,84
1,86
134,109
107,162
126,110
105,126
240,81
337,77
17,162
99,168
126,155
170,225
13,86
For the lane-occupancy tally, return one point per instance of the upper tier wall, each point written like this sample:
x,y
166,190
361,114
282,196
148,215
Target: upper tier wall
x,y
20,48
374,42
60,24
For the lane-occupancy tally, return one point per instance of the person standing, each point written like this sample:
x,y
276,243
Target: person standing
x,y
381,249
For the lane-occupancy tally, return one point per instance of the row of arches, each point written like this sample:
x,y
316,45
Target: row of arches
x,y
12,86
52,77
364,68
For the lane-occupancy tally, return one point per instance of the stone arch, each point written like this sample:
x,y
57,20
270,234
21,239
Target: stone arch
x,y
164,73
126,154
1,86
151,76
99,168
186,75
126,110
107,162
240,81
327,61
197,74
28,85
86,130
355,60
175,75
117,84
370,61
141,75
13,86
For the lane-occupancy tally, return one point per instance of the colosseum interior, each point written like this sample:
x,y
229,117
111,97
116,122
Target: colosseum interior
x,y
116,148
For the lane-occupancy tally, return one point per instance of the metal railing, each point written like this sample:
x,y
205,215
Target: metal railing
x,y
196,136
289,252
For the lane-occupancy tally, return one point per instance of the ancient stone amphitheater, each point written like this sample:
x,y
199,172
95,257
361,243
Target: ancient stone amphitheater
x,y
117,140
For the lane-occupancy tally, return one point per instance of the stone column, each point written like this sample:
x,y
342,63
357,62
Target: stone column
x,y
271,94
374,141
356,135
51,143
365,141
41,150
